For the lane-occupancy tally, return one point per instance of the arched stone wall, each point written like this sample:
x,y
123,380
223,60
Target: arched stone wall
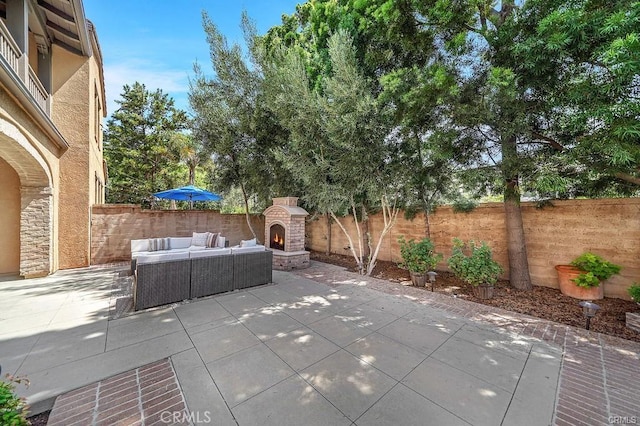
x,y
36,200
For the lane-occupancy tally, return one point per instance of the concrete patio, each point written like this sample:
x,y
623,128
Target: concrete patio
x,y
318,346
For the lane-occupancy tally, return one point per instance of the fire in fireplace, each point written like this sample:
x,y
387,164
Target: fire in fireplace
x,y
277,237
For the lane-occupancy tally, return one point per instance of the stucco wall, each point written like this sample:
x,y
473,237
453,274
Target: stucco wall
x,y
554,235
71,114
9,219
35,144
114,226
96,164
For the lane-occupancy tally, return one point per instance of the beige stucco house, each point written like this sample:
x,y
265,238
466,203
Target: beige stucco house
x,y
52,103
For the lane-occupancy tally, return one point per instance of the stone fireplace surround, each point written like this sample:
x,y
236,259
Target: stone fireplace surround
x,y
287,220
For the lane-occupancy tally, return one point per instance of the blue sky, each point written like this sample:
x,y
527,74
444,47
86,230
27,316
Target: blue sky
x,y
157,42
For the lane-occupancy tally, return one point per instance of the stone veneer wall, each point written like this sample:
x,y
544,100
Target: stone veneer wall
x,y
554,235
35,227
114,226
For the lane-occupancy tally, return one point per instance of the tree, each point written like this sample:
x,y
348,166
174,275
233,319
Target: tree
x,y
231,121
581,58
340,142
397,57
140,145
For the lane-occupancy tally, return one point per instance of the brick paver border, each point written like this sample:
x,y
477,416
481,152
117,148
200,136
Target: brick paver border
x,y
148,395
599,376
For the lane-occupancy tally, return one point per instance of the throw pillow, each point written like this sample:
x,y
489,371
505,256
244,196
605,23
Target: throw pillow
x,y
212,239
199,239
157,244
248,243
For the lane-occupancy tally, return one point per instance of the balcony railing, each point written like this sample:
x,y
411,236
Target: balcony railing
x,y
18,62
38,91
9,49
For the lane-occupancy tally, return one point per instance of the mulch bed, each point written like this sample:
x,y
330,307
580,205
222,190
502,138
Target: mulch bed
x,y
541,302
39,419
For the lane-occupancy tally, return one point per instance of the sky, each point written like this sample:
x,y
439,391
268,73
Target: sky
x,y
157,42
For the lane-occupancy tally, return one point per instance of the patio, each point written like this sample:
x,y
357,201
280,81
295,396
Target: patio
x,y
319,346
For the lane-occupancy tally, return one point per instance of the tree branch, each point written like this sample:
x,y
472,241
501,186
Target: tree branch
x,y
627,177
551,142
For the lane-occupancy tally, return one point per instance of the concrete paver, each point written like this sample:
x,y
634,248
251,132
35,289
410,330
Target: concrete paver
x,y
350,384
387,355
403,406
292,402
471,398
320,346
247,373
301,347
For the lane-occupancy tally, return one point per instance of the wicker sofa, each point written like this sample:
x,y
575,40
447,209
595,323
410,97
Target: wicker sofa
x,y
164,278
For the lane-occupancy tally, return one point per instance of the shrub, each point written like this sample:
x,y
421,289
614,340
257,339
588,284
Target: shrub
x,y
634,292
13,410
595,269
476,268
418,257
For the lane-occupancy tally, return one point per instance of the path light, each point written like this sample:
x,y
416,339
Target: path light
x,y
432,278
589,310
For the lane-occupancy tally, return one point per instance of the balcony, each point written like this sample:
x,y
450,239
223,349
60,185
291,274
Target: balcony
x,y
19,69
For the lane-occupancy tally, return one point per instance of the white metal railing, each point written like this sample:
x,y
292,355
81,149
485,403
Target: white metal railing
x,y
8,48
38,91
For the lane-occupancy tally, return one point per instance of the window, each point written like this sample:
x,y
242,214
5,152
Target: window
x,y
97,109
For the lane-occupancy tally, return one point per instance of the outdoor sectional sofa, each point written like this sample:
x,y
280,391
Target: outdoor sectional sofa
x,y
169,276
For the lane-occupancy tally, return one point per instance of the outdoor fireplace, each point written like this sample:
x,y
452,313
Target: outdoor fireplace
x,y
284,230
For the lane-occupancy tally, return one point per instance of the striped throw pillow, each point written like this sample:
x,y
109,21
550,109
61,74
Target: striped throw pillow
x,y
157,244
212,239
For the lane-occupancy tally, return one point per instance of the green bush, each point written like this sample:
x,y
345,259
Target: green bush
x,y
13,410
418,257
595,268
476,268
634,292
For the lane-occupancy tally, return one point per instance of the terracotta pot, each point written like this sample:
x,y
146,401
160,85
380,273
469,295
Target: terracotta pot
x,y
418,279
566,273
484,291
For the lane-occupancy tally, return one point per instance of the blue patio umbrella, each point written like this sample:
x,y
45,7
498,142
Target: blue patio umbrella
x,y
188,193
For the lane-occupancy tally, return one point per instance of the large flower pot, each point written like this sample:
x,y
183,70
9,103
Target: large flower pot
x,y
418,279
566,275
483,291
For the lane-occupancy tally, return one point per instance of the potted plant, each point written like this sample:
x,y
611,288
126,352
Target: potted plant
x,y
633,319
419,258
634,292
581,279
476,268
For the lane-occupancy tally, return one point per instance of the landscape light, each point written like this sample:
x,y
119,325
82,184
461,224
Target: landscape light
x,y
432,278
589,310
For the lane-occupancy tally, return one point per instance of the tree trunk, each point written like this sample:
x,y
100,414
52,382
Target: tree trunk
x,y
427,224
366,236
246,211
516,248
328,251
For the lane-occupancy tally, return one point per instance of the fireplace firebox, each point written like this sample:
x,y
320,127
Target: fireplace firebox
x,y
277,237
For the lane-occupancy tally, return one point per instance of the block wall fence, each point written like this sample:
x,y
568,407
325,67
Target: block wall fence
x,y
113,226
554,235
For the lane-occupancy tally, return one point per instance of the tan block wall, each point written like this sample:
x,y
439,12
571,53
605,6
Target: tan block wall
x,y
114,226
554,235
9,219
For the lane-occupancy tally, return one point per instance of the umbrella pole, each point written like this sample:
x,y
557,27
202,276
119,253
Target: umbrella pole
x,y
190,202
